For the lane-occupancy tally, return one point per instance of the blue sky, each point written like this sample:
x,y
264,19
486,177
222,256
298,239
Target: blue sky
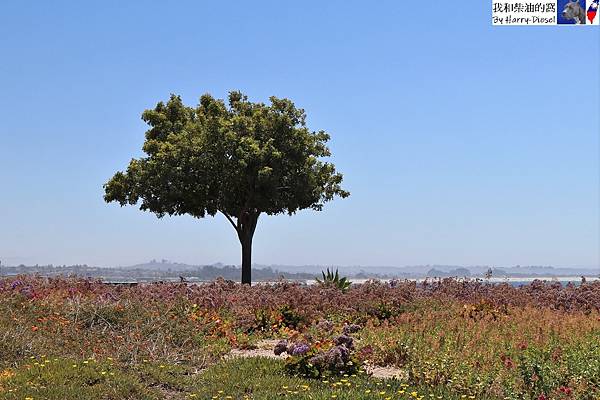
x,y
461,143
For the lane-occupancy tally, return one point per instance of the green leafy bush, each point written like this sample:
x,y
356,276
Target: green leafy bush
x,y
290,317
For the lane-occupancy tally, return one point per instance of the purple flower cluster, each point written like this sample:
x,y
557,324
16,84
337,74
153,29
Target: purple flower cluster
x,y
299,349
27,291
15,284
344,340
294,349
336,358
325,325
351,328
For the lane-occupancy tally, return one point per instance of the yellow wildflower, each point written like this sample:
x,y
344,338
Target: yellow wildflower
x,y
7,373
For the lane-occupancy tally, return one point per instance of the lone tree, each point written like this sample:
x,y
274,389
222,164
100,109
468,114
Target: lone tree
x,y
242,160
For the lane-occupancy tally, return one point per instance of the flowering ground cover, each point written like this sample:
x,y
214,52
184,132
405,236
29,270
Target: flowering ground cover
x,y
69,338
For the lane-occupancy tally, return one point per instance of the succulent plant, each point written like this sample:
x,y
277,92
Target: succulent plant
x,y
333,279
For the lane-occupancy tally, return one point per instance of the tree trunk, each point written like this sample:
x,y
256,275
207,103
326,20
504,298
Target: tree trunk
x,y
246,259
245,228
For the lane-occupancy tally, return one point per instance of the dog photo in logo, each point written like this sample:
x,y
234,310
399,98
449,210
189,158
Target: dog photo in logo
x,y
571,12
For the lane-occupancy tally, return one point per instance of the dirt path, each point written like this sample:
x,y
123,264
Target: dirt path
x,y
264,348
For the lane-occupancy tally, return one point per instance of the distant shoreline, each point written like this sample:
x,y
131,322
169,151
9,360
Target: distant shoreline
x,y
510,280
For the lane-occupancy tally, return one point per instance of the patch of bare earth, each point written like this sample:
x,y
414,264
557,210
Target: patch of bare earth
x,y
264,348
389,372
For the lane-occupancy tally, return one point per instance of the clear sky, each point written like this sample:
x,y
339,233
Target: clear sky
x,y
461,143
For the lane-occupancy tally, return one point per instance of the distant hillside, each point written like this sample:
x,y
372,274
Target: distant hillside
x,y
165,269
417,271
165,265
154,271
421,271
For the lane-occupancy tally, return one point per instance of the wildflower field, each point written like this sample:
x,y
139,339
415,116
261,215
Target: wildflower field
x,y
70,338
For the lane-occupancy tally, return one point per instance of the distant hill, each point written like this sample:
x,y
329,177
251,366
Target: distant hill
x,y
417,271
165,265
421,271
457,272
154,271
164,269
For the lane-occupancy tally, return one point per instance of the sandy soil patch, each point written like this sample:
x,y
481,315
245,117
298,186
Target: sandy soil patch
x,y
388,372
264,348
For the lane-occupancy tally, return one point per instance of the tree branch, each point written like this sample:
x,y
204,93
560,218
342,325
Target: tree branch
x,y
231,221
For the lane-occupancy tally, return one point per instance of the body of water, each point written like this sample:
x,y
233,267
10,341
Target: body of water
x,y
514,281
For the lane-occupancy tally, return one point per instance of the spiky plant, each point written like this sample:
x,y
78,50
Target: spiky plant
x,y
333,279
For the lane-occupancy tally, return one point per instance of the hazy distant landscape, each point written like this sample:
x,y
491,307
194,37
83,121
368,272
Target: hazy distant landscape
x,y
167,270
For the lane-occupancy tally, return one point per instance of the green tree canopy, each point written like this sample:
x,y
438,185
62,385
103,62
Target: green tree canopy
x,y
242,159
